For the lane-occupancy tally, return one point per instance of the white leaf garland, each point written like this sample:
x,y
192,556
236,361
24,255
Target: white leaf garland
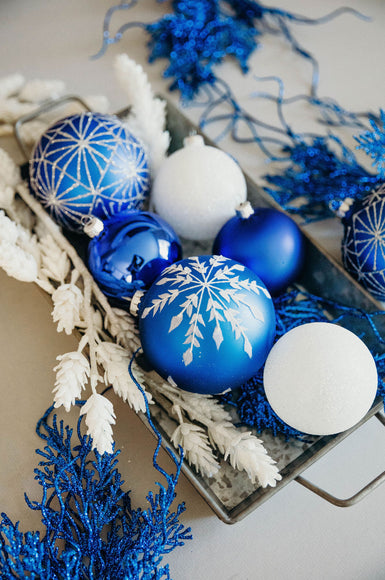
x,y
195,444
147,118
16,261
115,360
68,302
245,451
99,416
72,374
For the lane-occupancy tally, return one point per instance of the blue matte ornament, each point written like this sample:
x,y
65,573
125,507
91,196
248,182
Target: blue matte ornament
x,y
363,243
207,324
265,240
130,252
89,164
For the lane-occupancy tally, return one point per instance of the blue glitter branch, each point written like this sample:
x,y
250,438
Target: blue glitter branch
x,y
319,178
373,143
91,529
293,309
199,34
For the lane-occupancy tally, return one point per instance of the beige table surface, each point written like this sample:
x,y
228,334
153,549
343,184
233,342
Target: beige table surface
x,y
295,535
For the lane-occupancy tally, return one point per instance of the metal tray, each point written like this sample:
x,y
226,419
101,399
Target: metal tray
x,y
230,493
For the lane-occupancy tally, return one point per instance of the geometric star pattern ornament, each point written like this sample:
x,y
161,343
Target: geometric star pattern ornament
x,y
207,324
363,244
86,165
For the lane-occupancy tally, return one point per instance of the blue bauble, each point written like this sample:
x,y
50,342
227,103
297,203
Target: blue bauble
x,y
265,240
130,253
363,243
207,324
88,165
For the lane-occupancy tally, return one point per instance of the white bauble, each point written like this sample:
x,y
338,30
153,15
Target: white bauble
x,y
197,189
320,378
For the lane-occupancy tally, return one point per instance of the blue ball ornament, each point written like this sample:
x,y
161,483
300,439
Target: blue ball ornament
x,y
265,240
88,164
207,324
130,252
363,243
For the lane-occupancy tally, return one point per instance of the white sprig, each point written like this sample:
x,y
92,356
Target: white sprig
x,y
9,171
17,263
115,361
72,374
204,406
122,327
54,261
99,416
195,444
147,117
38,90
14,259
68,302
245,452
10,85
9,178
12,109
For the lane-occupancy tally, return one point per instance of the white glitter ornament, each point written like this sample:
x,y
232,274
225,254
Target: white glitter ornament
x,y
197,189
320,378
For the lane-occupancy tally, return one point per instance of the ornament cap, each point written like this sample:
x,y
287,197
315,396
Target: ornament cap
x,y
244,210
345,207
135,302
93,227
193,141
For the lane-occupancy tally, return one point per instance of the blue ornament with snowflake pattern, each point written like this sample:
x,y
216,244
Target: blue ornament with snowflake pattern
x,y
363,244
207,324
89,164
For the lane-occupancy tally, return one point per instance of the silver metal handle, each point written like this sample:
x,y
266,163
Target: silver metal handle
x,y
43,108
371,486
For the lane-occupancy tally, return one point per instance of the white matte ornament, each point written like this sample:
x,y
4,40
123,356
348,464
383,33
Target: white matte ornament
x,y
197,189
320,378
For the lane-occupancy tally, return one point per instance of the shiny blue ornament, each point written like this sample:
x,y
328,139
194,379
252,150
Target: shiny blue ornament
x,y
207,324
88,165
265,240
130,253
363,243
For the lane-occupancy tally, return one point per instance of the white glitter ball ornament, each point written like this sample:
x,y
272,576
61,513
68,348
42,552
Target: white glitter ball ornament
x,y
320,378
197,189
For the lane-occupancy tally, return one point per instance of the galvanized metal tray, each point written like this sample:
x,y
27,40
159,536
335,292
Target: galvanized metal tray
x,y
230,493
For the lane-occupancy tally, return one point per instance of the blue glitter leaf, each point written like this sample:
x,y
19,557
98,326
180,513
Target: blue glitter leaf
x,y
373,143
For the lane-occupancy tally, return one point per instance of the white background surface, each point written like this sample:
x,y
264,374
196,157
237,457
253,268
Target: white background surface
x,y
295,535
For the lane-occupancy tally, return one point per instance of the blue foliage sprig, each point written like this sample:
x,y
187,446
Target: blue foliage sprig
x,y
294,308
373,143
199,34
91,528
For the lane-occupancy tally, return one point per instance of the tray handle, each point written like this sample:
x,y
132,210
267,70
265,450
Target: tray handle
x,y
371,486
43,108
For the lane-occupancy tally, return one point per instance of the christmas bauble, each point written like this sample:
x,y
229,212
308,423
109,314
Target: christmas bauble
x,y
88,164
131,251
197,189
207,324
320,378
265,240
363,244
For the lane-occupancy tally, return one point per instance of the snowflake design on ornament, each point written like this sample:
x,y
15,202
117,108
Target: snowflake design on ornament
x,y
213,293
88,163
